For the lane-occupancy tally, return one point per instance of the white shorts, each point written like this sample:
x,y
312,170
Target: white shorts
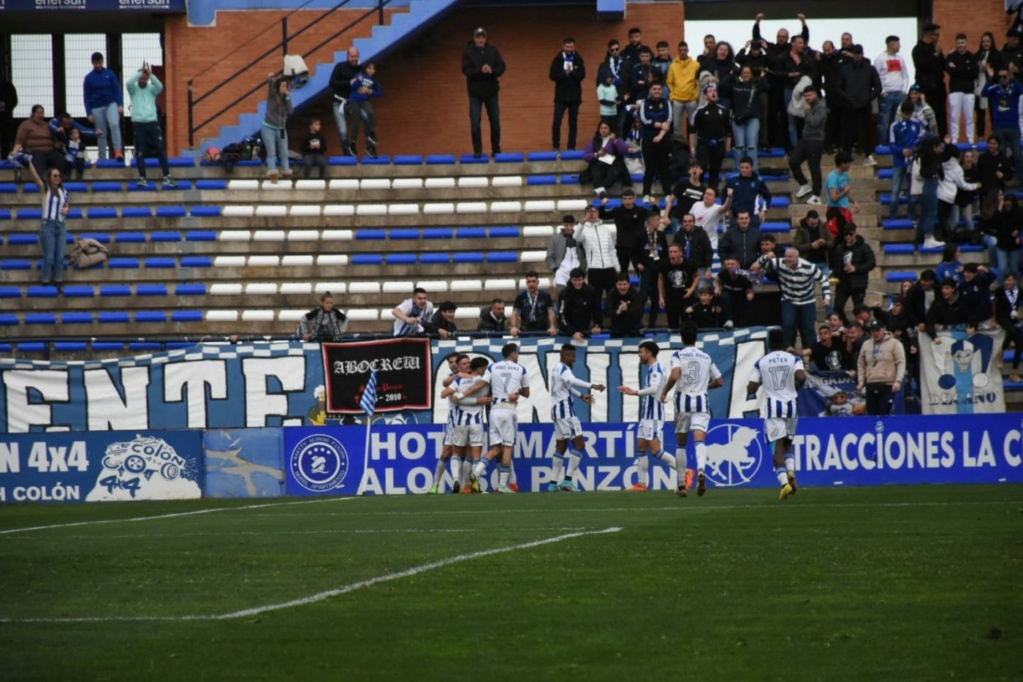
x,y
449,433
692,421
777,428
651,429
469,434
504,426
566,429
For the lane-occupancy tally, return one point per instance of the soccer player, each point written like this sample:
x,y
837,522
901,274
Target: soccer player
x,y
651,413
781,373
455,362
508,381
469,425
698,375
566,424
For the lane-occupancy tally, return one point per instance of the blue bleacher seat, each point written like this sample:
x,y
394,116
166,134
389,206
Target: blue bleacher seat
x,y
74,187
206,211
898,249
901,277
408,160
18,239
405,234
106,186
130,237
897,223
30,188
72,346
15,264
150,316
932,249
885,174
30,214
176,345
543,156
201,236
502,257
101,212
101,237
150,289
74,214
371,234
190,290
886,199
468,159
775,226
471,233
6,215
40,318
123,263
170,212
505,232
569,179
6,348
179,186
367,259
775,153
110,163
78,291
471,257
186,316
401,258
510,157
343,161
440,159
44,291
145,345
434,258
136,212
8,320
148,187
32,346
780,202
972,248
107,345
197,262
211,184
883,150
118,317
382,160
10,188
10,292
115,290
76,318
247,163
69,238
572,155
542,180
165,237
438,233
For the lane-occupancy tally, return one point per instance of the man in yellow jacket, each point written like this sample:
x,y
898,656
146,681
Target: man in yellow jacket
x,y
684,87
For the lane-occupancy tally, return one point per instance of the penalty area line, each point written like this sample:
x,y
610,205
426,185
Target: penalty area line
x,y
328,594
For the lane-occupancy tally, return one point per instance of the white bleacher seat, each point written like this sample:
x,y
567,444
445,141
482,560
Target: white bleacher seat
x,y
331,259
473,182
403,209
338,210
539,205
471,207
257,316
407,183
234,235
345,183
498,284
337,235
433,286
438,209
364,288
311,184
303,235
370,209
333,287
295,260
538,231
545,283
507,181
268,236
306,211
375,183
264,261
363,314
238,211
229,262
439,183
572,204
398,287
533,256
279,186
291,315
243,184
466,285
506,206
222,316
467,313
296,288
225,289
261,289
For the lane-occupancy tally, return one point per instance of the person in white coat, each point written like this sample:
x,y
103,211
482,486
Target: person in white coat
x,y
952,180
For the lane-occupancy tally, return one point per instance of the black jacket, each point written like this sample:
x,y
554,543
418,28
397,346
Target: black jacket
x,y
698,242
861,256
579,309
1003,308
989,166
742,246
341,79
930,68
914,303
481,84
949,313
962,71
630,225
631,319
859,83
487,323
438,322
568,87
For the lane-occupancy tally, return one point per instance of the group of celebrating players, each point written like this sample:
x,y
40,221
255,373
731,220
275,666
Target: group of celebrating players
x,y
475,384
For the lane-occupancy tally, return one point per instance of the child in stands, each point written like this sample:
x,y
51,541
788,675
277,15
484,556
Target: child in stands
x,y
364,87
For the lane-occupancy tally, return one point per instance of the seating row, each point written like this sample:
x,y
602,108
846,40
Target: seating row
x,y
159,316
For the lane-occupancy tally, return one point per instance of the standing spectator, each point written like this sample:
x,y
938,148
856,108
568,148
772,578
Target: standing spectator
x,y
922,111
442,322
685,91
831,62
53,231
880,369
631,53
734,290
483,66
951,265
949,310
314,150
993,168
987,54
533,309
854,259
755,58
677,285
810,147
797,280
579,307
777,120
275,126
746,116
928,167
930,73
652,257
662,61
744,189
962,70
902,138
1007,315
492,319
144,87
1003,96
67,137
655,115
642,76
975,290
599,246
619,78
104,102
894,74
8,101
564,253
706,312
695,243
828,353
605,154
919,299
709,215
365,87
685,194
630,221
839,200
860,86
341,83
36,138
814,242
412,314
951,182
722,72
797,64
741,242
1008,222
1011,54
323,323
568,72
625,309
607,96
708,138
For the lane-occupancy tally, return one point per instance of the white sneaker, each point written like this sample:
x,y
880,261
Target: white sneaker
x,y
648,199
815,200
871,161
932,243
803,191
598,190
729,324
506,490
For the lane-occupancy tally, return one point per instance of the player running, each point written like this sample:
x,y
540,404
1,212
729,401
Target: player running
x,y
566,424
455,362
651,414
698,375
781,373
508,381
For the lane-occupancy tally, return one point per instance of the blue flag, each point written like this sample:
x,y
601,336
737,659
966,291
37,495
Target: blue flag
x,y
368,403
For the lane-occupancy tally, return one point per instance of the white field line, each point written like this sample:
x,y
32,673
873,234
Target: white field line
x,y
137,519
321,596
339,531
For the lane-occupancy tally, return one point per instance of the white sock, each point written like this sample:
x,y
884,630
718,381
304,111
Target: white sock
x,y
666,458
438,471
456,468
642,469
574,458
559,465
701,455
466,471
479,470
783,478
790,464
503,474
680,469
512,478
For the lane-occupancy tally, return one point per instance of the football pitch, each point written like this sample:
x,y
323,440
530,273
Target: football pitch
x,y
894,583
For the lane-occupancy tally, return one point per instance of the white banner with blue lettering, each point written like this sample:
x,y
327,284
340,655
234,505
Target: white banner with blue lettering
x,y
960,372
220,386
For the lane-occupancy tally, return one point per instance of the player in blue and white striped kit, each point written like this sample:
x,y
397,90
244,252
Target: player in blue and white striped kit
x,y
781,373
455,362
566,423
470,425
694,373
651,413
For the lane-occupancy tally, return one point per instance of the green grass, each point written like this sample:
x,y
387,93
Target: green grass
x,y
900,583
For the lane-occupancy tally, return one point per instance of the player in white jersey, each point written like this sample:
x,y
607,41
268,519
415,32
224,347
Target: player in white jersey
x,y
456,363
470,425
781,374
508,381
566,424
651,413
694,374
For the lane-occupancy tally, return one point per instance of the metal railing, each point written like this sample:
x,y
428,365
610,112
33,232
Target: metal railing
x,y
282,46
